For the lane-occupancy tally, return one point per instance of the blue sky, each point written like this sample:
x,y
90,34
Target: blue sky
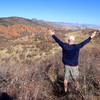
x,y
73,11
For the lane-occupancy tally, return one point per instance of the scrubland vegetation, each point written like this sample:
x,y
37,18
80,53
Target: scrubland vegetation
x,y
31,67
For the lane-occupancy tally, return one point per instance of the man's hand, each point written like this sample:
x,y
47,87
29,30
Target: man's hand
x,y
93,34
51,32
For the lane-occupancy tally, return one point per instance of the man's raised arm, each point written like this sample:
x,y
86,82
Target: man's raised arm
x,y
52,33
80,45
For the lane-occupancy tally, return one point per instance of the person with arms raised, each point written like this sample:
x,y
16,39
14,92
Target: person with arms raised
x,y
70,52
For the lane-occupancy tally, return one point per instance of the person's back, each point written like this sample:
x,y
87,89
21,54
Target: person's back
x,y
70,56
70,50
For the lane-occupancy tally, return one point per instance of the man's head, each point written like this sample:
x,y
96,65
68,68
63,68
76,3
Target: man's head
x,y
71,39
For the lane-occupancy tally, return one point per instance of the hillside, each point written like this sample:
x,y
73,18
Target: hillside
x,y
13,27
30,61
20,29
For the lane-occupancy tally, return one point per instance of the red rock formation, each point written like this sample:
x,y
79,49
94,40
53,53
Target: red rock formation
x,y
16,30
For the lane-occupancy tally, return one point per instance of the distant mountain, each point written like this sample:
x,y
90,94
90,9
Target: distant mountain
x,y
47,23
76,24
7,21
91,25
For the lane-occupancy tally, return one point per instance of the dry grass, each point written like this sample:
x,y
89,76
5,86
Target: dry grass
x,y
32,71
